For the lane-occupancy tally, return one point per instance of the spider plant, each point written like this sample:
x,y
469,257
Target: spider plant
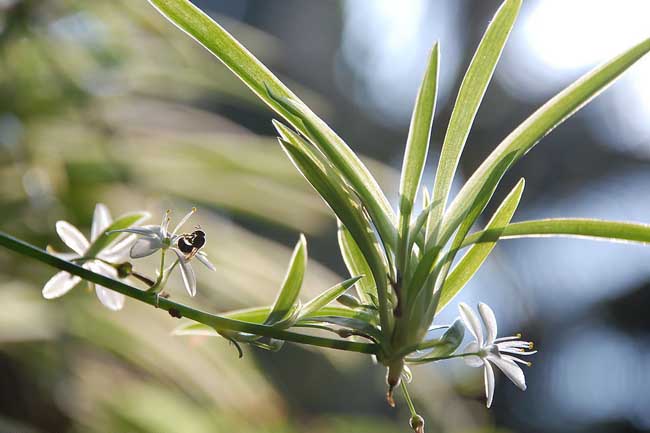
x,y
401,260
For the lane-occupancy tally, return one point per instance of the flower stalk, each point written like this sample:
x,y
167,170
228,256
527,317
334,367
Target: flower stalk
x,y
212,320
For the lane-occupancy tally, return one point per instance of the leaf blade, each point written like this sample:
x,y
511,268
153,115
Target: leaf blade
x,y
417,148
198,25
327,296
288,294
474,258
539,124
469,98
348,211
356,264
568,227
108,236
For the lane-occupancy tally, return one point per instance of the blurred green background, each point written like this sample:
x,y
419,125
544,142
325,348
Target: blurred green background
x,y
107,102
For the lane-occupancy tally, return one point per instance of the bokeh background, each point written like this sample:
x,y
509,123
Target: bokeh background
x,y
107,102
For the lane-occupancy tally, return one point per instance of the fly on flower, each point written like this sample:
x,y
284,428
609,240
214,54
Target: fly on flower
x,y
186,246
191,243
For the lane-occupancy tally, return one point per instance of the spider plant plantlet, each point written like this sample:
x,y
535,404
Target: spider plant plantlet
x,y
400,260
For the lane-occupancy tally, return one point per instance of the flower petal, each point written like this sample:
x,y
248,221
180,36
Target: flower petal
x,y
72,237
59,285
490,322
64,256
109,298
183,220
473,360
148,230
515,359
119,251
101,220
144,247
203,258
189,278
488,377
471,322
511,370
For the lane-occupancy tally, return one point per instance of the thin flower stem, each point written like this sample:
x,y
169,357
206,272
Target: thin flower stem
x,y
144,279
161,274
407,396
439,358
217,322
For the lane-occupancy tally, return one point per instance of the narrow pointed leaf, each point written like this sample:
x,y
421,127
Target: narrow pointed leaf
x,y
340,156
264,84
344,205
195,328
415,155
445,346
288,295
327,296
567,227
425,269
350,323
106,238
476,255
540,123
356,265
469,99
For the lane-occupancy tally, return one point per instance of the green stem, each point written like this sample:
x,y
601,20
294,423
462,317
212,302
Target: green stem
x,y
407,396
161,274
439,358
218,322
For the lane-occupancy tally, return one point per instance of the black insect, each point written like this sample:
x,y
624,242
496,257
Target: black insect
x,y
191,243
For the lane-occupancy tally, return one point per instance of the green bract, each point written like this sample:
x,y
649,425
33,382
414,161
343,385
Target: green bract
x,y
400,263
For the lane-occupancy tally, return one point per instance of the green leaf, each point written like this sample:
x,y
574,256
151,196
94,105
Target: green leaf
x,y
356,264
360,326
415,155
226,48
106,238
339,155
540,123
445,346
468,101
194,328
344,205
288,295
327,296
264,84
349,301
425,274
567,227
474,258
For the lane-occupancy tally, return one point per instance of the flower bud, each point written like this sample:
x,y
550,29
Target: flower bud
x,y
348,301
417,423
393,379
124,269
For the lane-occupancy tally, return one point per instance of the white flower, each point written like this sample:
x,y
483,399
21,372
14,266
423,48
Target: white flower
x,y
154,238
492,350
63,282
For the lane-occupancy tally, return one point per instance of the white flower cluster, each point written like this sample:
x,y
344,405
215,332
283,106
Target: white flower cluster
x,y
136,242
